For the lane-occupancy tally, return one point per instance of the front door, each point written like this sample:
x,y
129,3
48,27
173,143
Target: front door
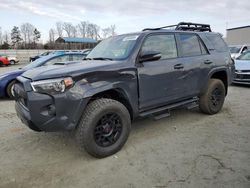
x,y
160,81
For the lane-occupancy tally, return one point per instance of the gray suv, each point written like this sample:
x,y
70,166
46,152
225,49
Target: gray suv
x,y
143,74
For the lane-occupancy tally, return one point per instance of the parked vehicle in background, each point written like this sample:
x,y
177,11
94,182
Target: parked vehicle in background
x,y
85,52
4,61
242,69
7,80
237,50
40,55
13,60
144,74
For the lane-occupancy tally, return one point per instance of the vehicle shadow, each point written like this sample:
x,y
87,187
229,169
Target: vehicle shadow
x,y
142,129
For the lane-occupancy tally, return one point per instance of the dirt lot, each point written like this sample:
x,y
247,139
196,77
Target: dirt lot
x,y
188,149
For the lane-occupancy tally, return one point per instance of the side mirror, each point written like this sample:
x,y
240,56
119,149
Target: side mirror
x,y
149,56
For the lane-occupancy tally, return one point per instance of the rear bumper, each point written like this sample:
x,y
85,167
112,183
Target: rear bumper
x,y
42,112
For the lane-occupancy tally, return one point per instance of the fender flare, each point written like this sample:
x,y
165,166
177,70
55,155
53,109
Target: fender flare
x,y
211,73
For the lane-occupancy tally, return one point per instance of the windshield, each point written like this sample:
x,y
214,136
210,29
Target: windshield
x,y
114,48
244,56
234,49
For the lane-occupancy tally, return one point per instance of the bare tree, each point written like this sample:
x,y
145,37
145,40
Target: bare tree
x,y
68,28
27,31
82,28
74,31
51,35
93,31
59,29
109,31
112,29
6,37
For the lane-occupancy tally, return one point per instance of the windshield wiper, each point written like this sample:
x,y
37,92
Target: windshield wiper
x,y
99,58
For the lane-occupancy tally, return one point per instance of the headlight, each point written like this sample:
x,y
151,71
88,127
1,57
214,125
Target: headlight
x,y
52,86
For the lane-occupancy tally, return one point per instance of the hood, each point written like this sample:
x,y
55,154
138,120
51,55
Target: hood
x,y
242,64
57,71
11,73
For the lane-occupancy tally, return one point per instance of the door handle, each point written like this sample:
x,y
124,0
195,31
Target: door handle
x,y
178,66
207,62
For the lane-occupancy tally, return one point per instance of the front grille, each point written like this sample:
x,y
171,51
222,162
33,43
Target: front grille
x,y
243,76
244,71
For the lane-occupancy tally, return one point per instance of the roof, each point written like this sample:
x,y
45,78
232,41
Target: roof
x,y
242,27
75,40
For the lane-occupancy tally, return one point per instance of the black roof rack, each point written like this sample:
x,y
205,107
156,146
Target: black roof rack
x,y
185,26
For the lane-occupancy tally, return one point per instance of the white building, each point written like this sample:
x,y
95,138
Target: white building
x,y
238,35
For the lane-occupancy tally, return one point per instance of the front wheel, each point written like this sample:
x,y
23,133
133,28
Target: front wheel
x,y
104,127
10,89
212,100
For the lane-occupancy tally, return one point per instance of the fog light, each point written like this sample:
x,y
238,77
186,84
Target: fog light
x,y
52,110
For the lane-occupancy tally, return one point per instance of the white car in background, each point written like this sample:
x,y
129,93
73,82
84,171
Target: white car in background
x,y
13,60
242,69
237,50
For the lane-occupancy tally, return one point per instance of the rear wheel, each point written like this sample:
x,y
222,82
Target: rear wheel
x,y
12,62
104,127
212,100
10,89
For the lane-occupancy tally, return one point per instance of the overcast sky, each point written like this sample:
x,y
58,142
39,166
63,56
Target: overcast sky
x,y
127,15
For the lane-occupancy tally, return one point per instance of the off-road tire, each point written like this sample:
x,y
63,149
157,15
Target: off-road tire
x,y
88,123
9,89
207,103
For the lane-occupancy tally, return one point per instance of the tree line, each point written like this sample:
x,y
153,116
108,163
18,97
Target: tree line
x,y
27,36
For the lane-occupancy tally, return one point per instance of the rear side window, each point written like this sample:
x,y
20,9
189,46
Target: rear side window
x,y
217,42
165,44
190,45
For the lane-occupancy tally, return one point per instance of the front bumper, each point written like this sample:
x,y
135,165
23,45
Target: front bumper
x,y
42,112
242,78
3,84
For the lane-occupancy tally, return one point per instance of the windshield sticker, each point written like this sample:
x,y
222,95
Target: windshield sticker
x,y
134,37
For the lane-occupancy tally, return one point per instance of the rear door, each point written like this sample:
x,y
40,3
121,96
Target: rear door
x,y
160,81
194,56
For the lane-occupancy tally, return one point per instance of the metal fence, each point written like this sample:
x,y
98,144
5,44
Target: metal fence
x,y
22,55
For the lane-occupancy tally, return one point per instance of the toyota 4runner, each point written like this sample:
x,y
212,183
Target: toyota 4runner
x,y
127,77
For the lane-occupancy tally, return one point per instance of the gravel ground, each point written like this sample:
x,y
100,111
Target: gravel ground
x,y
188,149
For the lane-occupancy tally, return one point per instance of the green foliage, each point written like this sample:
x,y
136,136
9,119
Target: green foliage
x,y
15,36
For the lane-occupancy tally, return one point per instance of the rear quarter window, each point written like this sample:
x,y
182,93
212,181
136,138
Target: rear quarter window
x,y
217,42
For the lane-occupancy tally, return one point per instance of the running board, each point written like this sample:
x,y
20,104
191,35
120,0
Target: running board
x,y
163,111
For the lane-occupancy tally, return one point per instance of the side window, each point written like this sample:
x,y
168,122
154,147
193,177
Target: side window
x,y
78,57
161,43
59,59
244,49
217,42
203,48
190,45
